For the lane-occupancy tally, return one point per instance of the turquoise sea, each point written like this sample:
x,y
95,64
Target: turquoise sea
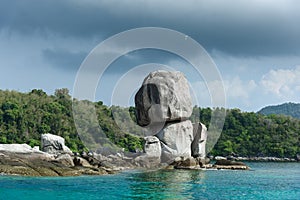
x,y
264,181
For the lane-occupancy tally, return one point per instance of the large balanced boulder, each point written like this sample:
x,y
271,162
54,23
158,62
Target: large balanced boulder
x,y
176,140
163,97
54,144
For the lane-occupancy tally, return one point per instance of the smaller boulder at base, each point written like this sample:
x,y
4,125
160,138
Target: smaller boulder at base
x,y
199,142
186,163
152,146
176,140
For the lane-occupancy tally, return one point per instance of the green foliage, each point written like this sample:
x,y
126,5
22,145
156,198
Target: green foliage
x,y
34,142
25,116
251,134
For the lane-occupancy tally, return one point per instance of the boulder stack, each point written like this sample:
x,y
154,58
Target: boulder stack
x,y
164,105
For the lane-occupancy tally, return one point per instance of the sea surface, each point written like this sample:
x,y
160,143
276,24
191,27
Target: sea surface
x,y
263,181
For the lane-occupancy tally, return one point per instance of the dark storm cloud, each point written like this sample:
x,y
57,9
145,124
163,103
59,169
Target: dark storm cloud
x,y
66,18
245,28
64,59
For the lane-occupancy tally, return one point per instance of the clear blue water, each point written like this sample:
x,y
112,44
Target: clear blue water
x,y
264,181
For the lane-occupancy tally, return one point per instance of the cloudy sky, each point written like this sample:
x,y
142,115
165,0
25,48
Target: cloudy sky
x,y
255,44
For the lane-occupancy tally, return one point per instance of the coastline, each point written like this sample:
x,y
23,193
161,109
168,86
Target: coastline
x,y
22,160
263,159
36,164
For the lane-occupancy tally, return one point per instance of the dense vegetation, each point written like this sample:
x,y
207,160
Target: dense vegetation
x,y
251,134
25,116
289,109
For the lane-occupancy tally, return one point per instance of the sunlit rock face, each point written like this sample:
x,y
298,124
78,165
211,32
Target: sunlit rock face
x,y
199,143
176,140
152,146
163,97
164,105
54,144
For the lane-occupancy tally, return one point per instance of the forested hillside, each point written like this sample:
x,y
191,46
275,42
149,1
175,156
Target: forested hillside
x,y
289,109
25,116
251,134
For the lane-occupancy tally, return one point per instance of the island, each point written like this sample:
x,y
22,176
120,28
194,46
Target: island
x,y
163,106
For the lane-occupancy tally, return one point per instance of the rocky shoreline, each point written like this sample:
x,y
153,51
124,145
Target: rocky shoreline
x,y
34,164
267,159
56,159
22,160
37,163
258,159
163,107
42,164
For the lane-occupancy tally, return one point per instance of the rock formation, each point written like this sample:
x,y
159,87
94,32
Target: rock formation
x,y
199,143
164,105
152,146
176,139
18,148
163,97
229,164
57,160
54,144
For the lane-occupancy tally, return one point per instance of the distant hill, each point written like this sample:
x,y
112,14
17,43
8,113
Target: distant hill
x,y
289,109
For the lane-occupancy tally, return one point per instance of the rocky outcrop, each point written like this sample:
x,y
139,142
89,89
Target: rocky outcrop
x,y
18,148
190,163
229,164
65,159
57,160
146,161
36,164
185,163
164,96
78,161
163,105
54,144
260,159
220,158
